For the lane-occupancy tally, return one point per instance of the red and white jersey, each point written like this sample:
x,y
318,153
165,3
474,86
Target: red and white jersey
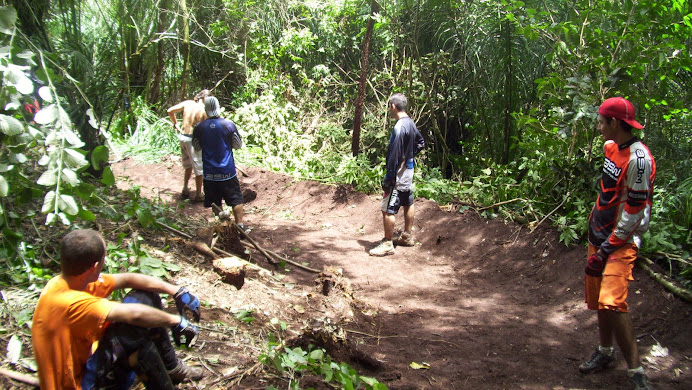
x,y
623,209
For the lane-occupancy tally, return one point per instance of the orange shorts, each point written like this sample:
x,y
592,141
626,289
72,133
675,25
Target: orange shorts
x,y
609,292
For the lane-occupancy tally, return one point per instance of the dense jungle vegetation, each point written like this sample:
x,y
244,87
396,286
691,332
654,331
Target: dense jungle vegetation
x,y
504,91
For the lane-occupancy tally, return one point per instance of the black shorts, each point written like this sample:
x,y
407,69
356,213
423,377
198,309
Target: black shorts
x,y
395,199
218,191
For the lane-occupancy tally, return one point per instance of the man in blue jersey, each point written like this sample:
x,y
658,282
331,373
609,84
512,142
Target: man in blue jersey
x,y
217,137
404,144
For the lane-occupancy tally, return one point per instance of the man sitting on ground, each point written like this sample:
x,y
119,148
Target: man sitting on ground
x,y
82,340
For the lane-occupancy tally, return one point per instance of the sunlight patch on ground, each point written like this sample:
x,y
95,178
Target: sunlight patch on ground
x,y
559,319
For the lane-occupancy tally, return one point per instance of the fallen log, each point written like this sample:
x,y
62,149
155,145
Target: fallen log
x,y
18,376
667,282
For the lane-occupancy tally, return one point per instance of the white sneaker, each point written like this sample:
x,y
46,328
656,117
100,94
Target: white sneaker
x,y
385,248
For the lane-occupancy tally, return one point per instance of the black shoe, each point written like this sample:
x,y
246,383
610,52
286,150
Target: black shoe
x,y
183,373
640,381
597,362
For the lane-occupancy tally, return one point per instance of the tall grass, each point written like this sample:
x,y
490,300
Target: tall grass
x,y
153,138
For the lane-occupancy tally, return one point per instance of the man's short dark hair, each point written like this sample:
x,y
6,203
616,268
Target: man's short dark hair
x,y
625,126
399,101
202,94
79,250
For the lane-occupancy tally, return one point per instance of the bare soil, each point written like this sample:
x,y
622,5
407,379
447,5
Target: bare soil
x,y
482,304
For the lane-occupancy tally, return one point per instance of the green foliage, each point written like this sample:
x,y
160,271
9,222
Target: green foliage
x,y
432,185
274,138
134,258
270,125
292,362
42,155
245,315
153,137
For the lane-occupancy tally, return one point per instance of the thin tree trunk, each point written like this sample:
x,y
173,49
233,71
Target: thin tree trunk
x,y
358,115
185,48
508,94
156,87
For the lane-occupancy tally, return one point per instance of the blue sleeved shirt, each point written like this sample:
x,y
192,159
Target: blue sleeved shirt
x,y
217,137
404,144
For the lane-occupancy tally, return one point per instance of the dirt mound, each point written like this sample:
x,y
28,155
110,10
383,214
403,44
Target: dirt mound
x,y
476,303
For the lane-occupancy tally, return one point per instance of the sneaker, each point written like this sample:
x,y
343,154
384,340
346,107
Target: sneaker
x,y
405,239
640,381
597,362
385,248
184,373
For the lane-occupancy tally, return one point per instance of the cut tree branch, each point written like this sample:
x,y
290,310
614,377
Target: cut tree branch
x,y
667,282
18,376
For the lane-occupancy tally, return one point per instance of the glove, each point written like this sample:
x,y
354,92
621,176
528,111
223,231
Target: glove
x,y
184,299
595,265
184,333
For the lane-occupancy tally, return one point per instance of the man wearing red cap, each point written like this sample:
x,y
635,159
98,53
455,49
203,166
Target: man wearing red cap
x,y
618,220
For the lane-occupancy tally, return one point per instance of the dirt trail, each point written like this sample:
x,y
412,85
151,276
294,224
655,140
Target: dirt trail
x,y
483,303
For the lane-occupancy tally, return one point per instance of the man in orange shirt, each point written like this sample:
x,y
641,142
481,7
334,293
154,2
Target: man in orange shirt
x,y
193,113
82,340
618,220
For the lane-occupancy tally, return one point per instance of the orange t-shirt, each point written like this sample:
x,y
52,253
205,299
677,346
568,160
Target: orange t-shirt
x,y
66,325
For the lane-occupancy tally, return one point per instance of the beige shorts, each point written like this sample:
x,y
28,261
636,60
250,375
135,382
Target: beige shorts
x,y
192,158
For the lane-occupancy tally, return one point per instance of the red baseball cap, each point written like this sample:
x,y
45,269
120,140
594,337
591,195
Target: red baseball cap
x,y
619,108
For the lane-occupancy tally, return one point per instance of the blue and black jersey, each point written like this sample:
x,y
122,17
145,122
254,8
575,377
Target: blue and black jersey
x,y
404,144
217,137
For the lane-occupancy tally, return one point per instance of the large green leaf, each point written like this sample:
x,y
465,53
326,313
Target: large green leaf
x,y
48,203
45,94
99,155
15,75
86,215
47,115
71,136
8,18
14,349
4,187
10,125
48,178
68,205
70,176
108,177
74,159
92,119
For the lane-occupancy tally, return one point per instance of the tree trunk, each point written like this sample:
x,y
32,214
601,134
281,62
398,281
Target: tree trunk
x,y
508,93
185,48
358,115
156,86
